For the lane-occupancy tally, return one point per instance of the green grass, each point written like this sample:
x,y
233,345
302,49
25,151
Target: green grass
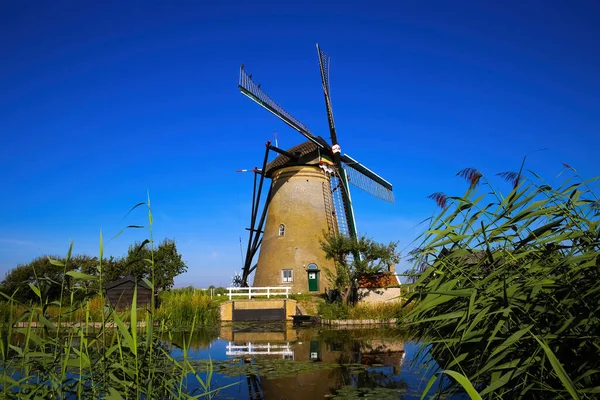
x,y
382,311
507,291
180,307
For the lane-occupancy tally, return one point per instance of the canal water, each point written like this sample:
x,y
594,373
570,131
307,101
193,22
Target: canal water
x,y
280,361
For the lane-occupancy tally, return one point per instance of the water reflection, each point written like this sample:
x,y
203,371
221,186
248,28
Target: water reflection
x,y
329,362
381,352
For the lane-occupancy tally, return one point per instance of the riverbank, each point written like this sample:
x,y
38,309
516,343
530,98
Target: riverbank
x,y
357,323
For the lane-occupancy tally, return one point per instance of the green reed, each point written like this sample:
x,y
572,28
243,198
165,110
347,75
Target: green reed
x,y
507,292
180,306
380,311
113,359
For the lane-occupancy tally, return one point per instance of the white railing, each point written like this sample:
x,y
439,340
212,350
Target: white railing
x,y
258,349
259,291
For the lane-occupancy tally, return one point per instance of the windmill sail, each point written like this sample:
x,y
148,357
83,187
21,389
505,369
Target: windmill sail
x,y
254,92
367,180
324,66
339,183
342,205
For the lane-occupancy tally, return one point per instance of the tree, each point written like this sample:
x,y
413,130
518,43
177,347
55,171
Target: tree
x,y
354,258
113,268
45,275
167,263
50,278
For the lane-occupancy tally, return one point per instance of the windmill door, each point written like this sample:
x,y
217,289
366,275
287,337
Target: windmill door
x,y
313,278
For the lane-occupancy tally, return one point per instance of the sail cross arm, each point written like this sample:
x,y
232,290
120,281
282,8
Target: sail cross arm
x,y
254,92
367,180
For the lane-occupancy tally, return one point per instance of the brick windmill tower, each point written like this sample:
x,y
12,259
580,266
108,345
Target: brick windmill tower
x,y
308,195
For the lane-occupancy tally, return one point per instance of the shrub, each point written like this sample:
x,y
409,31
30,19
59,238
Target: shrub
x,y
335,310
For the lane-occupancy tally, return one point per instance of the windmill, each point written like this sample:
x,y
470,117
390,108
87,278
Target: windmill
x,y
309,194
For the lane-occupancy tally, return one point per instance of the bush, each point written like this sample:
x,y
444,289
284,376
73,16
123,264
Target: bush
x,y
335,310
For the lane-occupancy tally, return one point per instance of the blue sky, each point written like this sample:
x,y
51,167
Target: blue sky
x,y
101,103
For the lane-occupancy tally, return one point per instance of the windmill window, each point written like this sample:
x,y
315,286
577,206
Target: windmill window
x,y
281,230
287,275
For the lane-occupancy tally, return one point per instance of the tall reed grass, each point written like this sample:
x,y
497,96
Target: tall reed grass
x,y
85,362
180,307
381,311
507,294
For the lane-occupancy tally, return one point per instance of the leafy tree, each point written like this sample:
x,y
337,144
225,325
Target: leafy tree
x,y
49,278
354,258
167,261
44,274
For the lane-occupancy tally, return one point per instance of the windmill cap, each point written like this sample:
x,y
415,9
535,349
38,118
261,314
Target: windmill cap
x,y
308,154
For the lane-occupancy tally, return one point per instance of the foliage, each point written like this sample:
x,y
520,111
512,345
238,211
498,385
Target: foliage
x,y
113,268
265,368
508,288
88,361
42,273
49,276
381,311
182,306
350,392
354,258
334,310
165,259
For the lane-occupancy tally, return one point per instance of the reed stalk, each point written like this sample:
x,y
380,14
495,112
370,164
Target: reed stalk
x,y
88,362
507,292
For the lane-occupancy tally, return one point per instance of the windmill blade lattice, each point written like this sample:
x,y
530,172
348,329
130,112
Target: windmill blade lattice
x,y
365,179
254,92
339,205
324,62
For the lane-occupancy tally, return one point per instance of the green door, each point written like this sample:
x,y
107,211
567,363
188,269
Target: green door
x,y
315,350
313,281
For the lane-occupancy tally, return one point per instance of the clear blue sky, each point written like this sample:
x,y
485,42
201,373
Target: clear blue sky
x,y
100,103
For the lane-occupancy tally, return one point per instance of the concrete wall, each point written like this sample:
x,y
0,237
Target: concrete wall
x,y
257,304
299,198
372,296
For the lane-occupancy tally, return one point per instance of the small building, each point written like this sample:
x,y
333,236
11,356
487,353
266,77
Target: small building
x,y
382,287
119,293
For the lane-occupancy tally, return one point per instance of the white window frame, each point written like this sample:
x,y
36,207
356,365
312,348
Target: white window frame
x,y
281,230
285,279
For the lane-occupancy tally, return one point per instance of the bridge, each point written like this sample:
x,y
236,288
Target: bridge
x,y
285,350
253,306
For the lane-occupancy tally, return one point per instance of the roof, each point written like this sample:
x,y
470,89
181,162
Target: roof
x,y
308,153
128,278
381,280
